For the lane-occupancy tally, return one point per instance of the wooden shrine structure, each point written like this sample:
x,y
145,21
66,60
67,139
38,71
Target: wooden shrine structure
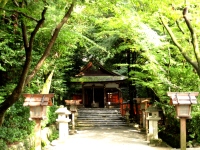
x,y
100,87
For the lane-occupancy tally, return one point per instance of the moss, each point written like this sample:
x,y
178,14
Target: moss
x,y
158,142
98,78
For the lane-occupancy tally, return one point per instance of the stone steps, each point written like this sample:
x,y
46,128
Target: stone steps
x,y
99,117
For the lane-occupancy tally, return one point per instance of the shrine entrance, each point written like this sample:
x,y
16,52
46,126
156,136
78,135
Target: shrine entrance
x,y
99,88
94,95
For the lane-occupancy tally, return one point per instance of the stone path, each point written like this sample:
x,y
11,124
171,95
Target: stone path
x,y
105,138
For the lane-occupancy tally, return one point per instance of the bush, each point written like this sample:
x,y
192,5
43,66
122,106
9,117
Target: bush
x,y
171,139
3,144
16,126
51,116
54,135
193,125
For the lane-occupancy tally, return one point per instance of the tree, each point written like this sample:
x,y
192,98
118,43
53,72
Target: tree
x,y
180,20
21,24
189,45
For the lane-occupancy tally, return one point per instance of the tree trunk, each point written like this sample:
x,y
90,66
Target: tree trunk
x,y
24,79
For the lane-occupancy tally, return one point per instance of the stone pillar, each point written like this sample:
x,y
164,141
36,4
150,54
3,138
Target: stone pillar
x,y
73,109
143,107
153,128
37,130
63,122
143,119
127,114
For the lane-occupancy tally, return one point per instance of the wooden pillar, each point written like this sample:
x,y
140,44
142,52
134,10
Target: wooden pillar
x,y
73,120
93,94
104,95
183,133
37,130
147,125
143,119
83,94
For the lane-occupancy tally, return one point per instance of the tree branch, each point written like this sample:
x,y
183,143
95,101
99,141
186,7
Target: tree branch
x,y
11,99
28,49
178,25
19,12
16,3
181,49
24,36
193,35
51,43
39,24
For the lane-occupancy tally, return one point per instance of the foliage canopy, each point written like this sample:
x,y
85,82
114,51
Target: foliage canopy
x,y
162,38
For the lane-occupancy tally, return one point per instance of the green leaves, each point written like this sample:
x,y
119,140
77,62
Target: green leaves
x,y
13,130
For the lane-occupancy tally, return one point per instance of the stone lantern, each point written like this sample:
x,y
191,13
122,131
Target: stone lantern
x,y
38,104
63,120
73,105
153,118
182,102
143,106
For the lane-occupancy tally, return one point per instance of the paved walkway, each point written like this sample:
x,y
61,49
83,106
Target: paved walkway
x,y
105,138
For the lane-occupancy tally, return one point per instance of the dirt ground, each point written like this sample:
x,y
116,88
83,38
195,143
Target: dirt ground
x,y
105,138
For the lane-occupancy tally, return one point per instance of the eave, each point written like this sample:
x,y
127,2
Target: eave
x,y
87,79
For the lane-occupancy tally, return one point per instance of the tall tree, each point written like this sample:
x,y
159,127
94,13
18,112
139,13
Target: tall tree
x,y
20,19
179,18
188,43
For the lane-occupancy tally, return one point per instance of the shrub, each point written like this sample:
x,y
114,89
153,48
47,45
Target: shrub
x,y
51,116
193,124
3,144
54,135
16,126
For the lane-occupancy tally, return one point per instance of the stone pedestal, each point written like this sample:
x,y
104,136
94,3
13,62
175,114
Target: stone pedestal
x,y
95,105
63,128
153,128
143,119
